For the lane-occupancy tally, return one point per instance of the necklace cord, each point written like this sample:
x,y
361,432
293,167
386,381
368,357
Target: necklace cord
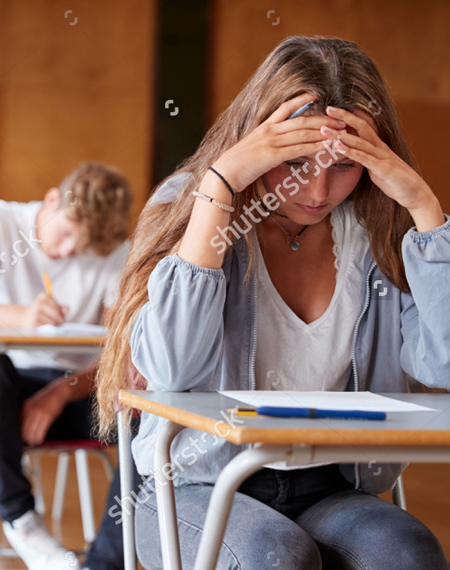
x,y
291,239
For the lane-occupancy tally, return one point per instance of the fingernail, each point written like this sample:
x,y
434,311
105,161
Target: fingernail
x,y
326,130
343,123
342,145
332,109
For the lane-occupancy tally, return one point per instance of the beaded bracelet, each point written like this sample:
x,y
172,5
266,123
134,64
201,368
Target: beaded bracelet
x,y
213,201
223,179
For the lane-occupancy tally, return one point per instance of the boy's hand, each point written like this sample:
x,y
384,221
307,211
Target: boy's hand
x,y
44,310
40,411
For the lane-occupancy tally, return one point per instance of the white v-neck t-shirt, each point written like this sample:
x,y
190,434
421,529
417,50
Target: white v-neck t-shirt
x,y
293,355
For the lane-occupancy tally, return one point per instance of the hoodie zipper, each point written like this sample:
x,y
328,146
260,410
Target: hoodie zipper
x,y
253,357
255,320
355,334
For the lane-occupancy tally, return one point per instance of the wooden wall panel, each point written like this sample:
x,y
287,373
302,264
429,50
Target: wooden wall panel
x,y
75,86
409,41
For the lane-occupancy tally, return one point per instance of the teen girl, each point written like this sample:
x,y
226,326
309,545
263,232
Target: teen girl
x,y
208,305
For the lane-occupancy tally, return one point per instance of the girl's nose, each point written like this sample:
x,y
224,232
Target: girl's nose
x,y
318,187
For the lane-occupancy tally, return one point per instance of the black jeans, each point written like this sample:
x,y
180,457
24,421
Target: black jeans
x,y
74,423
15,387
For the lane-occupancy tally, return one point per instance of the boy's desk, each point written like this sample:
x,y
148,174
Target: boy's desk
x,y
30,339
404,436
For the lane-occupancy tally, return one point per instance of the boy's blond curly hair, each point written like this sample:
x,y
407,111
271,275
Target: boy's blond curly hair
x,y
99,197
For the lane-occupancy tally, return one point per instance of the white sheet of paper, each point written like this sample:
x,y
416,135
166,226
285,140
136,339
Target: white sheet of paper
x,y
366,401
72,329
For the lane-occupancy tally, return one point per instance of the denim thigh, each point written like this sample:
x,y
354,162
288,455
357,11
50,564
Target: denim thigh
x,y
356,531
256,537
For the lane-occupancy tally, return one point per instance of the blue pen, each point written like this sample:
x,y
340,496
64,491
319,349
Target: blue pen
x,y
301,110
280,412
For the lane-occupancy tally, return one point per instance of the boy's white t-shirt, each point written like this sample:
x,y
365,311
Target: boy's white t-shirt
x,y
85,283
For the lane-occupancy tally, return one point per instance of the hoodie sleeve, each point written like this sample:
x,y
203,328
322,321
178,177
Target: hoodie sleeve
x,y
425,353
176,339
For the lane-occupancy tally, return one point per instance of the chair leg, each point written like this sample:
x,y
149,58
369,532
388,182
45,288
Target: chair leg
x,y
398,493
126,486
39,503
84,489
60,486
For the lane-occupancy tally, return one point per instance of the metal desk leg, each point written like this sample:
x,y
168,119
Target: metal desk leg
x,y
398,494
126,486
237,470
165,498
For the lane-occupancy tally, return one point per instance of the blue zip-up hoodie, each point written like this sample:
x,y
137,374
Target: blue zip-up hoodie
x,y
198,332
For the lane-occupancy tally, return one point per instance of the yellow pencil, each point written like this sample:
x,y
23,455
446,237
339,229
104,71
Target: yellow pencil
x,y
47,283
242,411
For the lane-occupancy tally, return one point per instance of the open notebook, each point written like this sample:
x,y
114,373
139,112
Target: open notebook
x,y
72,329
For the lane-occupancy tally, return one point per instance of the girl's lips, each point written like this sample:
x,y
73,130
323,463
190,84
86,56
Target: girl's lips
x,y
311,209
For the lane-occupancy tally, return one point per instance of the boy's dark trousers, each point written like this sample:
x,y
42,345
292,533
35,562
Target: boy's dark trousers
x,y
16,385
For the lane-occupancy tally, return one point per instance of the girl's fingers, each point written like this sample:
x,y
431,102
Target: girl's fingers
x,y
288,107
362,125
296,150
356,142
310,122
366,159
300,136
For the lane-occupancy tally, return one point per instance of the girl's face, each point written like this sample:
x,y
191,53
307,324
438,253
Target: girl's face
x,y
309,187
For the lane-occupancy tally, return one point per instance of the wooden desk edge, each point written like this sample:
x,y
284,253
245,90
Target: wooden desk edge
x,y
60,340
241,435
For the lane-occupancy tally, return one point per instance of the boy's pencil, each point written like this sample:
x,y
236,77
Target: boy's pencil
x,y
47,283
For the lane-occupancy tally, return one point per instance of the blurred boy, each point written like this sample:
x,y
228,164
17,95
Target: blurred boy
x,y
77,236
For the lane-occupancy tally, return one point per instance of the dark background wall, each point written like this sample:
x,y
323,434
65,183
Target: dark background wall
x,y
94,80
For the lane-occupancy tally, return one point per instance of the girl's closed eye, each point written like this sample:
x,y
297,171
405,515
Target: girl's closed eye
x,y
295,163
344,165
301,164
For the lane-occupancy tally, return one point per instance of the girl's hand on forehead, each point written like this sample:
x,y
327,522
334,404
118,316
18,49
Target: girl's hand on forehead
x,y
388,171
276,140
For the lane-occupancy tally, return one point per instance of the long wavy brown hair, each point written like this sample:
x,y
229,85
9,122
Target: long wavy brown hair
x,y
343,76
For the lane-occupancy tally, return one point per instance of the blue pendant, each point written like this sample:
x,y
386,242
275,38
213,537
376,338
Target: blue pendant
x,y
294,246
